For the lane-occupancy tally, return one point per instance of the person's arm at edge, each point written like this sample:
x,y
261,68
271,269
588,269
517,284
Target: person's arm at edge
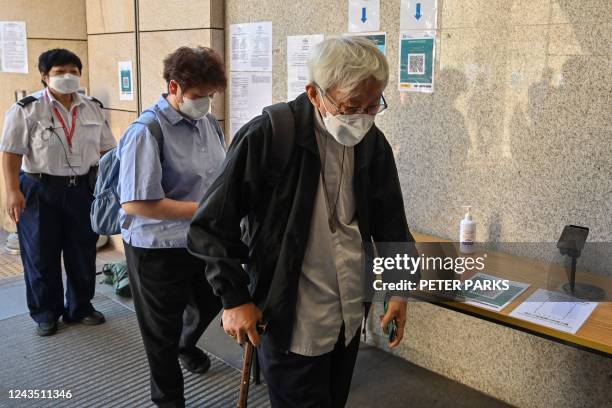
x,y
15,201
389,224
15,144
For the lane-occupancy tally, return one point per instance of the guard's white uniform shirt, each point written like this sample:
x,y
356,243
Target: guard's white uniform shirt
x,y
36,133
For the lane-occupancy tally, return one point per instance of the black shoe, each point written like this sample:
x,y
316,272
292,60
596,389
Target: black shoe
x,y
46,329
195,361
93,319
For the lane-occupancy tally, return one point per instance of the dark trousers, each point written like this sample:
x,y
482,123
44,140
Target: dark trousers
x,y
56,221
174,304
309,382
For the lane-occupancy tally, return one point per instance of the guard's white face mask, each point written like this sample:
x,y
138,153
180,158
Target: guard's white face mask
x,y
64,84
348,130
195,108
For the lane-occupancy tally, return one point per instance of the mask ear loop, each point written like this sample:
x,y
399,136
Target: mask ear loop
x,y
182,101
320,93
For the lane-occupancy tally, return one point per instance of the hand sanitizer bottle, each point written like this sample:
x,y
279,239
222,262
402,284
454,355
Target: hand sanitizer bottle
x,y
467,233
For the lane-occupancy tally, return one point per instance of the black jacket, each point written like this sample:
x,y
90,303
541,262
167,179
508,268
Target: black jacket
x,y
281,212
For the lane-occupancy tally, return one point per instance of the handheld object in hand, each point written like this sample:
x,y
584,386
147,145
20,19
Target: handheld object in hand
x,y
391,327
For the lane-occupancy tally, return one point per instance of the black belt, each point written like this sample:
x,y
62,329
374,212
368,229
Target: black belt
x,y
63,181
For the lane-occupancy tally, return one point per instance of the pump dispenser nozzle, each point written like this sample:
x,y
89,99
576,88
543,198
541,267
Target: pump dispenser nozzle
x,y
468,215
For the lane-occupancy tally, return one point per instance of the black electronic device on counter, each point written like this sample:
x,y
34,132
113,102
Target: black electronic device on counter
x,y
572,242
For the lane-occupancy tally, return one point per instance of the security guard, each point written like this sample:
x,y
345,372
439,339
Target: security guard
x,y
51,143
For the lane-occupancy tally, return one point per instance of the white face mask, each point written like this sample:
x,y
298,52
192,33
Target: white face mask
x,y
348,130
195,108
64,84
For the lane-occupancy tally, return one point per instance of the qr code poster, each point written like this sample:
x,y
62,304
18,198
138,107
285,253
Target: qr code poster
x,y
416,66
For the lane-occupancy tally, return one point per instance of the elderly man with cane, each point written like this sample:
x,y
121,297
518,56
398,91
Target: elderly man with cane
x,y
311,213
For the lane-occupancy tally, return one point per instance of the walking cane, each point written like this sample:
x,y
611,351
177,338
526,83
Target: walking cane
x,y
247,362
245,378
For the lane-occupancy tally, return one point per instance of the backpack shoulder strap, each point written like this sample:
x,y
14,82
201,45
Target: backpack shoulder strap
x,y
215,123
283,136
149,119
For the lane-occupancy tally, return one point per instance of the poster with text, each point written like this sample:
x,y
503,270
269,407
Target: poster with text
x,y
13,47
299,48
251,47
250,93
416,64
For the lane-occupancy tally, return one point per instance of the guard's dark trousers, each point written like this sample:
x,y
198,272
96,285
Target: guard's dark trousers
x,y
174,304
296,381
55,222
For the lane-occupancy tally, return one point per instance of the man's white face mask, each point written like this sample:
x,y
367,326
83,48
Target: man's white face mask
x,y
195,108
348,130
64,84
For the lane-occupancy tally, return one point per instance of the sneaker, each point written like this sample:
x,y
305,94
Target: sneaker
x,y
46,329
93,319
195,361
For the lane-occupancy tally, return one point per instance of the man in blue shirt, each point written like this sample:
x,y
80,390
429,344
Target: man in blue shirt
x,y
161,181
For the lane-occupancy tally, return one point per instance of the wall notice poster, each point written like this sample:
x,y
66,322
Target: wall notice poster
x,y
126,81
380,39
250,93
298,51
363,15
251,72
251,47
416,64
418,15
13,47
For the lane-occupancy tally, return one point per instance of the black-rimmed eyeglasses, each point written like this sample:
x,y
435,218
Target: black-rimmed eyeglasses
x,y
353,110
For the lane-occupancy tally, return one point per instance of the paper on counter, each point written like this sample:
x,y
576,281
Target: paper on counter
x,y
493,299
556,310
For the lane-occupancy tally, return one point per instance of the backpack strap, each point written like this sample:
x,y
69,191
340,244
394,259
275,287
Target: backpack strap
x,y
149,119
215,123
283,138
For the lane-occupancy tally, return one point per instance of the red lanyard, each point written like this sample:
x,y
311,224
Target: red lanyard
x,y
69,133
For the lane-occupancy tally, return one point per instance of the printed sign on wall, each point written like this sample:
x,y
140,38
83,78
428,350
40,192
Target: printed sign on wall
x,y
416,65
418,15
126,81
13,47
299,48
363,15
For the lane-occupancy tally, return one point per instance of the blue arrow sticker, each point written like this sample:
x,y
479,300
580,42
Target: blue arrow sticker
x,y
418,14
363,15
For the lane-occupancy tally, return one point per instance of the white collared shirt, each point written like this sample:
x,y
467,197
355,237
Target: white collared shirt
x,y
36,133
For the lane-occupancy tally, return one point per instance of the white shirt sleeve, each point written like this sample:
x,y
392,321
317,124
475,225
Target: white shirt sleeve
x,y
15,135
